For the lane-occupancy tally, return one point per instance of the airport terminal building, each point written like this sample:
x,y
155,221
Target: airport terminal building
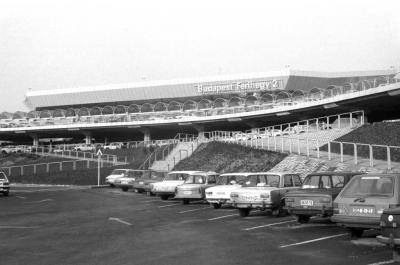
x,y
161,109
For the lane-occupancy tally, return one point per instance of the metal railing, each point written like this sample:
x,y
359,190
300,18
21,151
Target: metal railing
x,y
29,169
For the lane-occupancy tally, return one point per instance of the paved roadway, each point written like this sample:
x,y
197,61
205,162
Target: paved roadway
x,y
62,225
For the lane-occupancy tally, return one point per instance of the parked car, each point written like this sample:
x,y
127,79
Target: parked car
x,y
83,147
116,174
390,230
166,188
221,194
4,184
113,146
127,181
360,204
316,195
265,191
145,183
195,185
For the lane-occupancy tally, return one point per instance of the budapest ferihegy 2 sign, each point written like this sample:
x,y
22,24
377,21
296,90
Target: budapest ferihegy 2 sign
x,y
238,87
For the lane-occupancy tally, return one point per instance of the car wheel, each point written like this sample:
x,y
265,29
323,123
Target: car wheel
x,y
5,193
164,197
243,212
356,232
303,219
216,205
139,191
185,201
112,185
124,189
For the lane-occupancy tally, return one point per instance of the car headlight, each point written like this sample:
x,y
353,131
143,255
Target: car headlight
x,y
289,199
264,195
209,193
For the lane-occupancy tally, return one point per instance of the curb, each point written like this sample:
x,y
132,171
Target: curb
x,y
100,187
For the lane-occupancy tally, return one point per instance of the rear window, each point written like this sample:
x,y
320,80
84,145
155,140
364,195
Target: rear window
x,y
3,176
323,182
232,179
118,172
369,186
263,180
176,176
195,179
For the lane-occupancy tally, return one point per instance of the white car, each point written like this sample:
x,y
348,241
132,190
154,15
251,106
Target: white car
x,y
112,146
166,188
83,147
221,194
117,174
266,191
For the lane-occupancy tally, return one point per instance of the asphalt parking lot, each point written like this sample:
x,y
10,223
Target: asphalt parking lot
x,y
70,225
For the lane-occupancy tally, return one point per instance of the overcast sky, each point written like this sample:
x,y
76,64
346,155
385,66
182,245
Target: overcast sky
x,y
60,44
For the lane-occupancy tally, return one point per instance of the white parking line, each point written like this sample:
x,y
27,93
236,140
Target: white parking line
x,y
383,262
313,240
267,225
20,197
148,201
168,205
45,200
17,227
220,217
193,210
119,220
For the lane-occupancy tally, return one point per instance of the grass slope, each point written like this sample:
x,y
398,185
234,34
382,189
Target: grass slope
x,y
222,157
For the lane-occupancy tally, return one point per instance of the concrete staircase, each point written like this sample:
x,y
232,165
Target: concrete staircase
x,y
181,151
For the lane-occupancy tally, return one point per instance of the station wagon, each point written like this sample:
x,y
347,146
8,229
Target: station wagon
x,y
360,204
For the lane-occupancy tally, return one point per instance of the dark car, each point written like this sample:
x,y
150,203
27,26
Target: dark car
x,y
390,230
145,183
360,204
4,184
316,195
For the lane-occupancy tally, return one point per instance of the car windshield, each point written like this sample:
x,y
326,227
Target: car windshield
x,y
369,186
195,179
232,179
176,176
117,172
263,180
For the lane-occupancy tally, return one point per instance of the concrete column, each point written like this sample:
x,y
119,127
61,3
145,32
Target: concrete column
x,y
200,131
35,138
146,134
88,137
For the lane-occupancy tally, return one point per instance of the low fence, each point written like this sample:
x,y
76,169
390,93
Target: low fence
x,y
22,170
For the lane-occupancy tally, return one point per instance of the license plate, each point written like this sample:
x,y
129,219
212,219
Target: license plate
x,y
187,192
363,210
249,198
307,202
220,193
141,183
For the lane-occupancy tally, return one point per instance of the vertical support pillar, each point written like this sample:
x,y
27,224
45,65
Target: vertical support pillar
x,y
371,156
88,137
341,152
351,119
339,127
329,151
389,162
355,154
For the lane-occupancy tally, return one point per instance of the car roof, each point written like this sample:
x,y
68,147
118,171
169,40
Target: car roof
x,y
341,173
185,172
381,175
256,173
202,173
